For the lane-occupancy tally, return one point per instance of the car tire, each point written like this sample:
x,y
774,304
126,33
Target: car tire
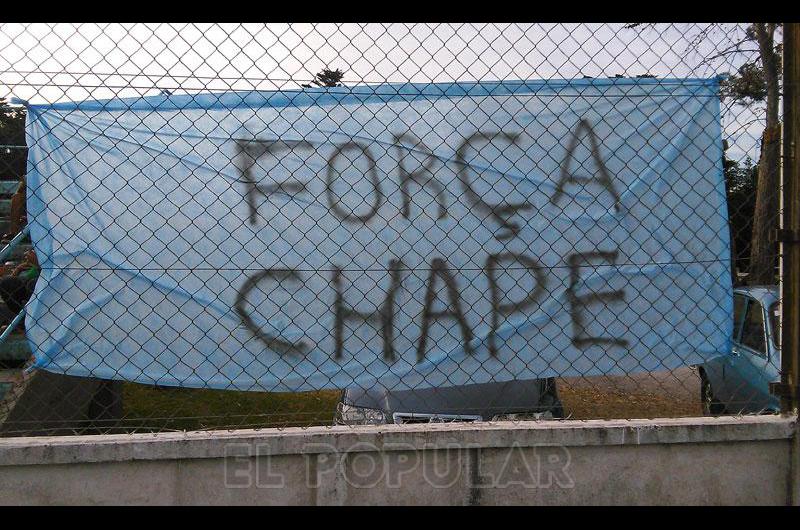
x,y
711,405
550,401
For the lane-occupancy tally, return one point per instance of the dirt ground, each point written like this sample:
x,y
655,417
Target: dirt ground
x,y
149,408
646,395
662,394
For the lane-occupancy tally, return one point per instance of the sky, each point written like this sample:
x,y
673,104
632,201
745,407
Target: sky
x,y
72,62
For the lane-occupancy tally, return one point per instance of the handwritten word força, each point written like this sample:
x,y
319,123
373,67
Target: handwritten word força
x,y
423,176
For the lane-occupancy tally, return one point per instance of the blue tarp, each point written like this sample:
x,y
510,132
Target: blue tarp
x,y
410,235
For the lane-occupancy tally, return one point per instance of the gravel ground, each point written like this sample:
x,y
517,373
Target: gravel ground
x,y
664,394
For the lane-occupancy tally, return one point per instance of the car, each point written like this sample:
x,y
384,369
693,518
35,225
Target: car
x,y
517,399
738,382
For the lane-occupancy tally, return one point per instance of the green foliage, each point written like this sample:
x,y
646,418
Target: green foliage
x,y
741,182
12,124
12,132
327,78
749,84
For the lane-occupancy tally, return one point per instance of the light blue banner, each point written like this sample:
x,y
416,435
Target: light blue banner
x,y
402,235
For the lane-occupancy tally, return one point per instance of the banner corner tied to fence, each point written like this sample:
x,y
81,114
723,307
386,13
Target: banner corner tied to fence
x,y
401,235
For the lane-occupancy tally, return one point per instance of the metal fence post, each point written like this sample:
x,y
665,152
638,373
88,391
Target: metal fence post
x,y
790,251
790,237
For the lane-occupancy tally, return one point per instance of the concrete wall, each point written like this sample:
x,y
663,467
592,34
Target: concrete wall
x,y
746,460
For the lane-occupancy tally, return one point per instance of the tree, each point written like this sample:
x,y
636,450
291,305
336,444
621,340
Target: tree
x,y
762,249
741,182
12,132
757,82
327,78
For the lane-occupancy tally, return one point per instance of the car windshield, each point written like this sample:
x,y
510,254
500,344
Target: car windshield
x,y
753,328
775,323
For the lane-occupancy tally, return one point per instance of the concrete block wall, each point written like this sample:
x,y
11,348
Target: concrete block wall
x,y
696,461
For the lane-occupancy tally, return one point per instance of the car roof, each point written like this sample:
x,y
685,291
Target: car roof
x,y
766,294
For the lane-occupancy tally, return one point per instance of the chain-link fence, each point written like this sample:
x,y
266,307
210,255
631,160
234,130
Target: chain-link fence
x,y
247,225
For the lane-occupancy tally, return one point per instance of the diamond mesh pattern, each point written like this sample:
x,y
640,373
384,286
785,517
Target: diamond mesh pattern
x,y
43,63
